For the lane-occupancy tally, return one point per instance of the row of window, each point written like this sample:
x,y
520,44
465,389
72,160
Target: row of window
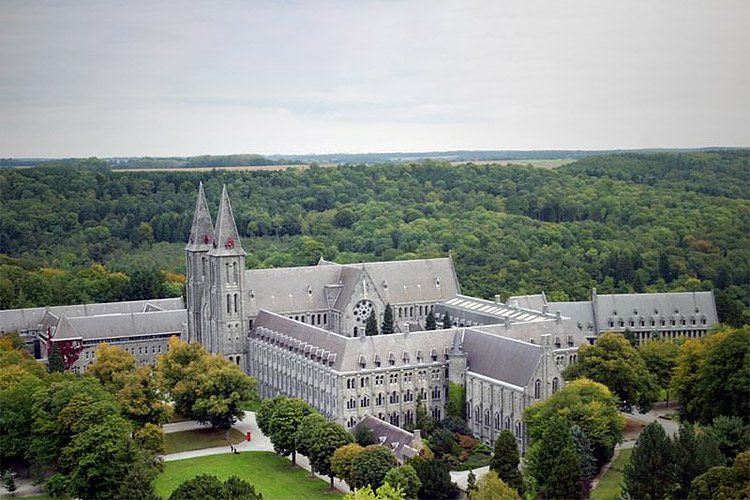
x,y
233,299
393,398
316,319
538,387
408,311
393,378
142,351
398,419
652,322
496,421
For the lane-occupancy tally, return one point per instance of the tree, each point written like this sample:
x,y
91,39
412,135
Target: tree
x,y
209,486
585,454
57,486
546,452
435,478
613,362
8,478
363,435
110,365
406,479
342,462
151,437
140,398
471,485
344,218
424,420
443,443
284,422
307,434
265,413
724,378
456,401
721,483
585,403
447,322
566,482
505,460
371,465
387,327
56,363
430,323
16,405
329,436
660,357
371,326
173,366
138,483
492,487
692,456
650,473
731,435
385,492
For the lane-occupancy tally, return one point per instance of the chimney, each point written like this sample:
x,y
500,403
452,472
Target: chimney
x,y
507,322
416,443
558,317
545,308
545,339
497,298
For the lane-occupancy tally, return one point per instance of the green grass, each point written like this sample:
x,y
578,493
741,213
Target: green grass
x,y
198,439
272,475
610,485
251,406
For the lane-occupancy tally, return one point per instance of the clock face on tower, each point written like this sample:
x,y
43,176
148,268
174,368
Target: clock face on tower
x,y
362,311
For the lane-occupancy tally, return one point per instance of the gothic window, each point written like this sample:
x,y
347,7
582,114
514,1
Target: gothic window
x,y
351,422
226,272
436,413
235,275
487,418
407,377
325,318
497,421
379,400
393,379
237,360
537,389
394,418
236,303
555,385
394,397
364,381
229,303
408,417
411,311
365,402
362,311
379,379
420,311
518,428
400,312
476,414
507,423
350,383
436,393
351,404
203,267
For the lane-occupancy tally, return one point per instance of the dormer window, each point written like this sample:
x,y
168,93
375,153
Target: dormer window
x,y
309,290
252,294
437,280
385,285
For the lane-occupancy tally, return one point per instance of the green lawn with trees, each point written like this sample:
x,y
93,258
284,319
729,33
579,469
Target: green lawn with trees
x,y
198,439
272,475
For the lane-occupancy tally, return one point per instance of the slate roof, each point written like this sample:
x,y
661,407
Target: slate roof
x,y
300,289
534,331
202,230
535,302
26,319
501,358
394,438
226,238
121,325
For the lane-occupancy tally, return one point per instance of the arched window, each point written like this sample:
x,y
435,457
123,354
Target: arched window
x,y
229,303
400,312
477,417
234,272
507,423
420,311
487,418
518,428
411,311
537,389
555,385
497,421
237,359
236,302
231,359
356,331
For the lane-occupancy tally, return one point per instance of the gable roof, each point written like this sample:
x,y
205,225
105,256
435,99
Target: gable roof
x,y
501,358
121,325
394,438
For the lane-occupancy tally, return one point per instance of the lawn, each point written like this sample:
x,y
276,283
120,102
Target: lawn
x,y
610,485
198,439
271,474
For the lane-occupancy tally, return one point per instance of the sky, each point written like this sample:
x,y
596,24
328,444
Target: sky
x,y
178,78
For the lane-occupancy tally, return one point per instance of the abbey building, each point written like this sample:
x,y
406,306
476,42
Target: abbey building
x,y
301,331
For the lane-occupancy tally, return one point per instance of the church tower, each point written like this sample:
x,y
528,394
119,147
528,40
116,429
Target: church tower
x,y
227,273
196,253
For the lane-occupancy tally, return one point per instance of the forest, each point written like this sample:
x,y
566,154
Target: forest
x,y
622,223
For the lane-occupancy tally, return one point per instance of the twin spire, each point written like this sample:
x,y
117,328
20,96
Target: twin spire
x,y
223,239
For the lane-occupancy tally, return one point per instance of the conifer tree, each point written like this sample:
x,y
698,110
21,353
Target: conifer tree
x,y
447,322
371,327
585,454
56,363
650,473
430,323
387,327
565,482
505,460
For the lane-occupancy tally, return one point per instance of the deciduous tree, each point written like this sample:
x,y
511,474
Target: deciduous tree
x,y
284,422
405,478
371,465
491,487
329,436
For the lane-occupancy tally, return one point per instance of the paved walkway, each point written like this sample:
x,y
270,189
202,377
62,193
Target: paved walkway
x,y
461,477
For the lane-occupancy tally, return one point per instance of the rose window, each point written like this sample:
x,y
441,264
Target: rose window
x,y
362,311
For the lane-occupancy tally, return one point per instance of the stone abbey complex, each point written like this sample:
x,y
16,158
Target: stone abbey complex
x,y
301,331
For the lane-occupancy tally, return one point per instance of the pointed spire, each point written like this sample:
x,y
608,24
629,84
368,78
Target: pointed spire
x,y
202,231
226,237
458,348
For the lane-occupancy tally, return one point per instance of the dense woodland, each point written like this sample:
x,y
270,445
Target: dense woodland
x,y
621,223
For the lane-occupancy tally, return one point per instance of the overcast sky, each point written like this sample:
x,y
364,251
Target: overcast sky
x,y
136,78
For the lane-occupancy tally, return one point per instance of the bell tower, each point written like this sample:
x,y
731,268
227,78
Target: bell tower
x,y
226,291
196,254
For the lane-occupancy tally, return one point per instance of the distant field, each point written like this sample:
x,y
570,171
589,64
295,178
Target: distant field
x,y
271,474
208,169
546,163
